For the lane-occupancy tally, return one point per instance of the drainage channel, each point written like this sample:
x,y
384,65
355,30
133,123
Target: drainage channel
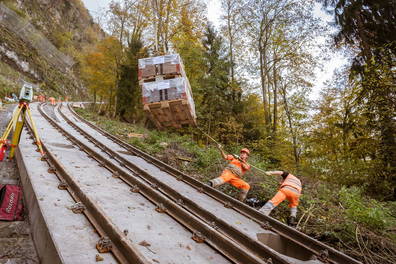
x,y
285,236
241,238
201,231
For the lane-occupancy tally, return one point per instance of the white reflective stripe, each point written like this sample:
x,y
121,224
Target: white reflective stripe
x,y
292,180
293,211
234,169
291,188
217,181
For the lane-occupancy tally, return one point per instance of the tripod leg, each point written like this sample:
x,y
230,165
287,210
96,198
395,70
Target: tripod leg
x,y
17,135
38,141
7,131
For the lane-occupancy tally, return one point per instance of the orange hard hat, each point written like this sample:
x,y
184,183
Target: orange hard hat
x,y
247,151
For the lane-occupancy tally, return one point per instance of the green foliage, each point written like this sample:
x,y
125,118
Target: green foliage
x,y
63,39
368,27
362,211
8,80
129,107
217,103
350,142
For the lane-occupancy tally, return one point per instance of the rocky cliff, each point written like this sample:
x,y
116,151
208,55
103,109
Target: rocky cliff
x,y
40,42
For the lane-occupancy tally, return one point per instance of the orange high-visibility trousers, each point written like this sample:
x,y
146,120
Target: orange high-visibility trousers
x,y
288,193
234,180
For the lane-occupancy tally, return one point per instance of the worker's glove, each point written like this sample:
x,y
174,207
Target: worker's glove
x,y
219,146
267,173
236,156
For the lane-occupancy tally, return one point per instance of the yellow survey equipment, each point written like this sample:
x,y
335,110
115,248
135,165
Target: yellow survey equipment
x,y
17,122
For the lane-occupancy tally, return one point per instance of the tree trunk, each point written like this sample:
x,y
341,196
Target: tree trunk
x,y
263,86
156,26
101,105
231,38
94,98
269,98
115,106
292,131
110,102
275,97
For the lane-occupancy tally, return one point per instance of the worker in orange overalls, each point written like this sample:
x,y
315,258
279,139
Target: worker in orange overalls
x,y
233,172
290,189
52,100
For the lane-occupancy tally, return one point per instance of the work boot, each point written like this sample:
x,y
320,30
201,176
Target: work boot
x,y
291,221
209,183
242,195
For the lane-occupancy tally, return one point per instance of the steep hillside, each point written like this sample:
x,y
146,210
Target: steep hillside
x,y
40,41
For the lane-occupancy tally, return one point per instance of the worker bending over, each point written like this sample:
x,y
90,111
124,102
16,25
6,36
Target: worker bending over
x,y
290,189
233,172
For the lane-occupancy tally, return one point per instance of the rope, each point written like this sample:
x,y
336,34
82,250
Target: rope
x,y
261,170
203,132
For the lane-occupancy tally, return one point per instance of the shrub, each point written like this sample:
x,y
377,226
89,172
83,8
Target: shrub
x,y
367,212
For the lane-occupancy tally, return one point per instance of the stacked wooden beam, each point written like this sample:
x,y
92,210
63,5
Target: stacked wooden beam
x,y
166,91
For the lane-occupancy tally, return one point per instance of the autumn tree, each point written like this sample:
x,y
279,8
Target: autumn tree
x,y
187,41
100,70
127,19
277,32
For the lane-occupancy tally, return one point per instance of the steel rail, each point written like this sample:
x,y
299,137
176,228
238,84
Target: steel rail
x,y
201,231
239,237
121,247
317,248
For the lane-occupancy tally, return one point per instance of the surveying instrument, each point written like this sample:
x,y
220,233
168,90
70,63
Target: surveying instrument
x,y
17,122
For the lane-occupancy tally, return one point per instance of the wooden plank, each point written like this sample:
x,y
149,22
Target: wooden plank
x,y
176,111
172,113
147,109
189,115
169,115
183,110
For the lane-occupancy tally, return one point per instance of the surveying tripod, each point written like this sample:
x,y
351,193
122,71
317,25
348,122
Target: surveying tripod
x,y
18,120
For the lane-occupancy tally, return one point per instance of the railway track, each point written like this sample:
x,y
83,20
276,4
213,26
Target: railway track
x,y
157,237
318,249
206,227
227,227
217,224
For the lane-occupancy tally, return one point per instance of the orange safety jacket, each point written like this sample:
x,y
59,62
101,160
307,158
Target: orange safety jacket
x,y
235,166
292,181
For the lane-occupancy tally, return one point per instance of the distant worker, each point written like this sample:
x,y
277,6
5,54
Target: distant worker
x,y
290,189
52,100
233,172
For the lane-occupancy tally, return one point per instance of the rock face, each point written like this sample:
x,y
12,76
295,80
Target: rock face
x,y
41,39
61,20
